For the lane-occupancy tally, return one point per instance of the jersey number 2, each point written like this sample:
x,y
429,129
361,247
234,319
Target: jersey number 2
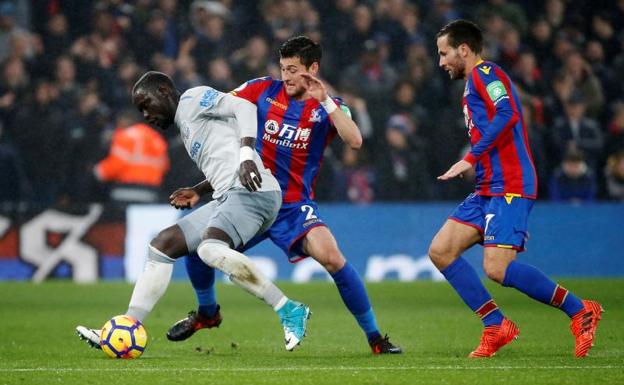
x,y
309,212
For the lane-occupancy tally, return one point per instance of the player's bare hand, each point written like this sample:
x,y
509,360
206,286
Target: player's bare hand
x,y
314,86
249,175
184,198
457,169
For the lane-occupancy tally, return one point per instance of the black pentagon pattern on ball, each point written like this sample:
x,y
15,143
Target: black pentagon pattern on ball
x,y
133,345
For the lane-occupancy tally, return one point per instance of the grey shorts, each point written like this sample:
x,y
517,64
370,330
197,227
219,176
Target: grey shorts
x,y
239,213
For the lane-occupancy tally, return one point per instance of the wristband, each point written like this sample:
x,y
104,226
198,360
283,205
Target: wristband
x,y
246,153
329,105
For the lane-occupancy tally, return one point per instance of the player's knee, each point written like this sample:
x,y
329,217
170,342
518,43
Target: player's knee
x,y
335,262
209,251
220,256
170,243
494,270
332,260
441,255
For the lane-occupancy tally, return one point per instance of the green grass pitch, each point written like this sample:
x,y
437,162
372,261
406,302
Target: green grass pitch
x,y
436,330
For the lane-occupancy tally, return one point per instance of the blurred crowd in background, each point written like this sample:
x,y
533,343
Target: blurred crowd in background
x,y
67,67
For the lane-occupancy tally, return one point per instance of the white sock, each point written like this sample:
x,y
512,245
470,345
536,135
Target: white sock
x,y
241,271
151,285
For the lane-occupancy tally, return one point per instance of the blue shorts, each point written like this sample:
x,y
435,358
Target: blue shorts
x,y
501,220
293,222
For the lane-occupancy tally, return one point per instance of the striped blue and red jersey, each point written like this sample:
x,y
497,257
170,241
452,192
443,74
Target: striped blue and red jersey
x,y
498,136
292,136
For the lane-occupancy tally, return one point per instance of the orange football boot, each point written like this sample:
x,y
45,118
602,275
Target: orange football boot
x,y
583,327
495,337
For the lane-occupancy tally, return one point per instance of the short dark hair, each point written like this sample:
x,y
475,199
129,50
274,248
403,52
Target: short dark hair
x,y
463,32
302,47
151,80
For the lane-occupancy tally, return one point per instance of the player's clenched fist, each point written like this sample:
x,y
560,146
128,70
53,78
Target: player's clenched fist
x,y
250,176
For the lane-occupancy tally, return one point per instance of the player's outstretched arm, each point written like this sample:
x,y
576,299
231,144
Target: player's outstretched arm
x,y
457,169
346,127
187,197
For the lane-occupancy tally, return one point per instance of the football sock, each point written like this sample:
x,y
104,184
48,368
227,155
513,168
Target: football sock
x,y
353,293
538,286
151,285
241,271
467,284
202,278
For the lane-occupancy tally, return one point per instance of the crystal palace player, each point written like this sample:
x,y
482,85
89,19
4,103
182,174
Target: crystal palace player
x,y
296,121
496,214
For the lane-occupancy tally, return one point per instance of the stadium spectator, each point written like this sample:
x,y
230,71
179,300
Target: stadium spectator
x,y
354,180
614,174
43,145
512,13
535,132
127,74
136,163
155,38
360,113
555,13
98,49
87,128
14,87
402,171
370,76
540,39
211,39
251,61
585,82
603,31
15,187
360,29
615,135
575,129
8,27
220,75
66,83
56,38
283,19
574,180
595,54
186,74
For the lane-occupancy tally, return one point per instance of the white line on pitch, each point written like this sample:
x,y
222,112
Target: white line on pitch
x,y
309,369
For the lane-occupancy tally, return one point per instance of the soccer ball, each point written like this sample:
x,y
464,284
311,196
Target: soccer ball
x,y
123,337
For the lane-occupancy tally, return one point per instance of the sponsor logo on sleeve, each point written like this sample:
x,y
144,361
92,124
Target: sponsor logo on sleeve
x,y
346,110
496,91
209,97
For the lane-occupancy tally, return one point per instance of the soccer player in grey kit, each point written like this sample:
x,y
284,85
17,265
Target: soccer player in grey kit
x,y
219,133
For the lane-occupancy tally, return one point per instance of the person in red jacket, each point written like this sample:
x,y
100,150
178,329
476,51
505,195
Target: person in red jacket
x,y
136,163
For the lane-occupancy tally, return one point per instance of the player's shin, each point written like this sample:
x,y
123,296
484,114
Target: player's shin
x,y
151,285
538,286
241,271
202,278
355,297
468,285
